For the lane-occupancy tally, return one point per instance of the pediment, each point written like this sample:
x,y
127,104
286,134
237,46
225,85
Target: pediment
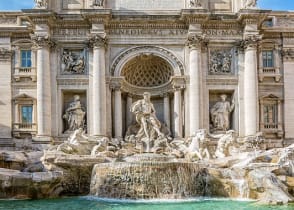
x,y
23,96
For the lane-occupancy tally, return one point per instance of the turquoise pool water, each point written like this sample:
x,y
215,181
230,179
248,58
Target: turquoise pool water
x,y
92,203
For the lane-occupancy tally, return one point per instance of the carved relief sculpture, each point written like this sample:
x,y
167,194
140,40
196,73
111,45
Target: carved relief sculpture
x,y
220,62
220,114
41,4
97,3
250,4
74,115
73,62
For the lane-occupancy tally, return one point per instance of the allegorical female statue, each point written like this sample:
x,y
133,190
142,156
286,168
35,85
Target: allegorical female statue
x,y
74,115
220,114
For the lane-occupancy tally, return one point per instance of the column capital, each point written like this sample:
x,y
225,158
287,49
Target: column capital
x,y
41,41
116,83
98,40
195,41
165,95
251,41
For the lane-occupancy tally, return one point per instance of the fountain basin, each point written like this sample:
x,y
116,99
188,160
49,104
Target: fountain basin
x,y
150,178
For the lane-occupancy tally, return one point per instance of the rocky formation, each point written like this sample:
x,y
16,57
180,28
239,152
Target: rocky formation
x,y
179,169
25,185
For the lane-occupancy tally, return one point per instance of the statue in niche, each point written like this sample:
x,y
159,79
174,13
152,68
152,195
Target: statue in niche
x,y
220,114
195,3
250,4
149,130
74,115
73,63
97,3
41,4
220,62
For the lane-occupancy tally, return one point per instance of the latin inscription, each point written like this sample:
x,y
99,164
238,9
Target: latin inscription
x,y
138,32
224,32
172,32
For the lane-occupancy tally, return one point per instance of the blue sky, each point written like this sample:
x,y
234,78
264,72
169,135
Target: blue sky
x,y
264,4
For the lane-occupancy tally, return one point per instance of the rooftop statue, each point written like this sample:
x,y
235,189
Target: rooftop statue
x,y
41,4
250,4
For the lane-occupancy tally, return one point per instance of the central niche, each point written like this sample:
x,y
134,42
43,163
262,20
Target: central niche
x,y
147,70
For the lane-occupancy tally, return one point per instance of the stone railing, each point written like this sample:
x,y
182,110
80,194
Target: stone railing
x,y
270,126
25,72
272,130
24,128
270,72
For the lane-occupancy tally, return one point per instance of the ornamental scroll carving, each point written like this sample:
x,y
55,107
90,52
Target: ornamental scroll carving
x,y
251,41
196,40
42,40
73,62
98,40
220,61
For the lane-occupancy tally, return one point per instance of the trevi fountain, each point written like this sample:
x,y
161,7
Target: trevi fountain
x,y
115,105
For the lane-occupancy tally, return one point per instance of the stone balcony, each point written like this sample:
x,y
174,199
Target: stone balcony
x,y
25,72
272,72
20,129
272,129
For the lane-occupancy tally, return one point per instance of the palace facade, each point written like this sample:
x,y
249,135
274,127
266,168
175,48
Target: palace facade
x,y
217,65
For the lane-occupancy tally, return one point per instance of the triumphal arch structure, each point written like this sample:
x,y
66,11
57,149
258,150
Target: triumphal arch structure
x,y
217,65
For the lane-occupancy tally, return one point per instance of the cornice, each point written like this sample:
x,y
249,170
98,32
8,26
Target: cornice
x,y
160,25
195,15
98,16
252,16
43,16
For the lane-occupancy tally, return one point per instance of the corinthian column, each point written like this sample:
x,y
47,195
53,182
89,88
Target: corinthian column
x,y
250,85
98,86
42,44
194,43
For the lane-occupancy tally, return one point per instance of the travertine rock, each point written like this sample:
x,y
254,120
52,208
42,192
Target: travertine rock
x,y
23,185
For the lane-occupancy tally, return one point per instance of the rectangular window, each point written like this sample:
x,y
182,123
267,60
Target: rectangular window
x,y
26,58
270,114
268,58
27,114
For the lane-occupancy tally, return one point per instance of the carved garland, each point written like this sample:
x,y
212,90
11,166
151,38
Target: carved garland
x,y
5,54
288,54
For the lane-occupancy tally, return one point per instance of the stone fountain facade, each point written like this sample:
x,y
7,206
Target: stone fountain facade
x,y
185,84
187,54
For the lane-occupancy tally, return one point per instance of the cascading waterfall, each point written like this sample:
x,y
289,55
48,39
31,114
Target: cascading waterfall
x,y
148,179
